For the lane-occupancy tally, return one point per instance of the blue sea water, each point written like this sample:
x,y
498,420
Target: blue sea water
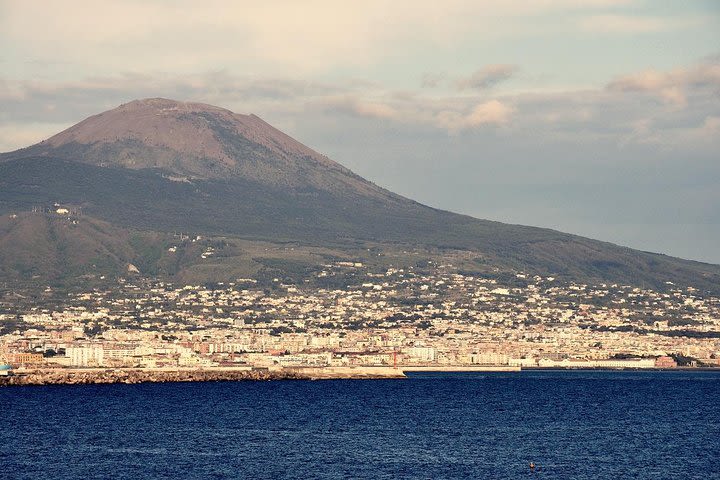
x,y
572,425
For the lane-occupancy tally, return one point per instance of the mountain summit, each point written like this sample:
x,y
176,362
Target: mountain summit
x,y
156,166
197,141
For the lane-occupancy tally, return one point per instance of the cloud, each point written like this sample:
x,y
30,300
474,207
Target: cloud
x,y
626,112
492,112
271,36
31,98
487,77
358,107
634,24
671,86
448,114
705,134
660,84
711,127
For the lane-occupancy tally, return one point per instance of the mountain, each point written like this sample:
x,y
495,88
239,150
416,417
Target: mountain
x,y
163,166
197,141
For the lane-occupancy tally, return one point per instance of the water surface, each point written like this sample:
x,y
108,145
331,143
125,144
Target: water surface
x,y
575,425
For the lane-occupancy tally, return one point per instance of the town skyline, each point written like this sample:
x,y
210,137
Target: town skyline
x,y
365,320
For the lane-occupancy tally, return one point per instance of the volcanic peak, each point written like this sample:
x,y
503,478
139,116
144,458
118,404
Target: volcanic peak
x,y
195,140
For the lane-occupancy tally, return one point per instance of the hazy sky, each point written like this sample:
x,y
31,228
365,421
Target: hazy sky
x,y
595,117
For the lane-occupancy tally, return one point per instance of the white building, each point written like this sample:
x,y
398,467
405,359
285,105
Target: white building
x,y
420,354
86,356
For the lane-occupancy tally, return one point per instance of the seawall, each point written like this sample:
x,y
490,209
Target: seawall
x,y
85,376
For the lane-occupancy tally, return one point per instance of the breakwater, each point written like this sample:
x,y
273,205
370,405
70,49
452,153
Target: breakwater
x,y
87,376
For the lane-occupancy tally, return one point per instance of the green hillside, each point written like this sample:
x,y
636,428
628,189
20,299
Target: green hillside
x,y
147,201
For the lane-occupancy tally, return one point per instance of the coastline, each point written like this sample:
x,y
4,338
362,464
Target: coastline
x,y
99,376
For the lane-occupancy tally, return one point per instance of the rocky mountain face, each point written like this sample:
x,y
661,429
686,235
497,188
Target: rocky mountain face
x,y
197,141
158,166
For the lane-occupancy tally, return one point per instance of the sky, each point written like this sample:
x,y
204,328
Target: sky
x,y
597,117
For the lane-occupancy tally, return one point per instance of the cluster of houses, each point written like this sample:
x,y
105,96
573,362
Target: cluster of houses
x,y
422,317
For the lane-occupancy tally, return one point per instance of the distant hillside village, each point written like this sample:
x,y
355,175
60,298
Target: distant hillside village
x,y
55,209
58,209
431,317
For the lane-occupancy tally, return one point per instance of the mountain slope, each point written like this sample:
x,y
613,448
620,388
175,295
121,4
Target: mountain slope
x,y
233,175
55,247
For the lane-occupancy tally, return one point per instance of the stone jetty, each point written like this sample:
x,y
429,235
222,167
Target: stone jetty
x,y
85,376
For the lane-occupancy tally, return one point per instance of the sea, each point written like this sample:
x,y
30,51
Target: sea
x,y
567,424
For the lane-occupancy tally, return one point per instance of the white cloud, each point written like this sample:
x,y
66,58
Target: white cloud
x,y
359,107
449,114
625,112
671,86
487,77
492,112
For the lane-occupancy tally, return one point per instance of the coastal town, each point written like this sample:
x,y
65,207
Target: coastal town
x,y
415,318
